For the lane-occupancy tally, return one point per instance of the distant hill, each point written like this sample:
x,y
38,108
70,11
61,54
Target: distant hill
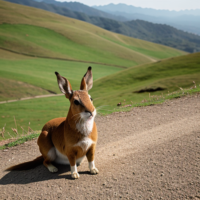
x,y
186,20
79,7
146,11
157,33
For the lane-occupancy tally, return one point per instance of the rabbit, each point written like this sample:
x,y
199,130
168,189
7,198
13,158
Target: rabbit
x,y
67,140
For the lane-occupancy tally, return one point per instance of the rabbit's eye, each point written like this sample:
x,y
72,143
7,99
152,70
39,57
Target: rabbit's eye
x,y
91,98
76,102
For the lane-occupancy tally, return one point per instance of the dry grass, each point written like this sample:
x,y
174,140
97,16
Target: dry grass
x,y
15,134
2,131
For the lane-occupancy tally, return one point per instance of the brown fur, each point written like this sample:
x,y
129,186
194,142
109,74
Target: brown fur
x,y
62,132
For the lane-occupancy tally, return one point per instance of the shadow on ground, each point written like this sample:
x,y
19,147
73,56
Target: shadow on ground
x,y
37,174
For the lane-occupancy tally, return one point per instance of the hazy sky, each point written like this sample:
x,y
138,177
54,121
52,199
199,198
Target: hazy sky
x,y
156,4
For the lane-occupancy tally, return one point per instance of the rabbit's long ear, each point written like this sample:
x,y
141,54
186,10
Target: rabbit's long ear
x,y
64,85
87,80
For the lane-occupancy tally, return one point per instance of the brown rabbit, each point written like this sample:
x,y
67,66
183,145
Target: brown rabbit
x,y
68,140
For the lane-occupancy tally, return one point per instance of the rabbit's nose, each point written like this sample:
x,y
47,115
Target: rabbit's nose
x,y
89,112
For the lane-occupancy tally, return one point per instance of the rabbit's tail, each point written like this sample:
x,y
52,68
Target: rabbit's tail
x,y
27,165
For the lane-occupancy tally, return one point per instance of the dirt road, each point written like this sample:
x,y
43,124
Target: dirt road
x,y
148,153
27,98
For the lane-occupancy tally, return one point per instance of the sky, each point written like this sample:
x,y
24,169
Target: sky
x,y
155,4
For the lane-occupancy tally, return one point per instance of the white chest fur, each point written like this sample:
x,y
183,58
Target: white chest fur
x,y
85,143
85,124
85,127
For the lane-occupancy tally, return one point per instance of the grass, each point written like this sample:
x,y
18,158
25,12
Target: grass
x,y
147,49
12,89
20,140
155,99
169,74
43,42
37,75
32,113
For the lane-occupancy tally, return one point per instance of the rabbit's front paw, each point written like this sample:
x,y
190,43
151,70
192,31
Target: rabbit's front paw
x,y
75,175
94,171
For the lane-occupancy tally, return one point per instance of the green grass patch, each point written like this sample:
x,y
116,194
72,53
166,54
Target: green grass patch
x,y
20,141
149,49
151,100
11,89
167,74
32,113
40,73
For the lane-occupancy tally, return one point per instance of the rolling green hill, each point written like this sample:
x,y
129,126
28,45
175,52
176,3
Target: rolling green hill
x,y
157,32
76,40
135,84
40,74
